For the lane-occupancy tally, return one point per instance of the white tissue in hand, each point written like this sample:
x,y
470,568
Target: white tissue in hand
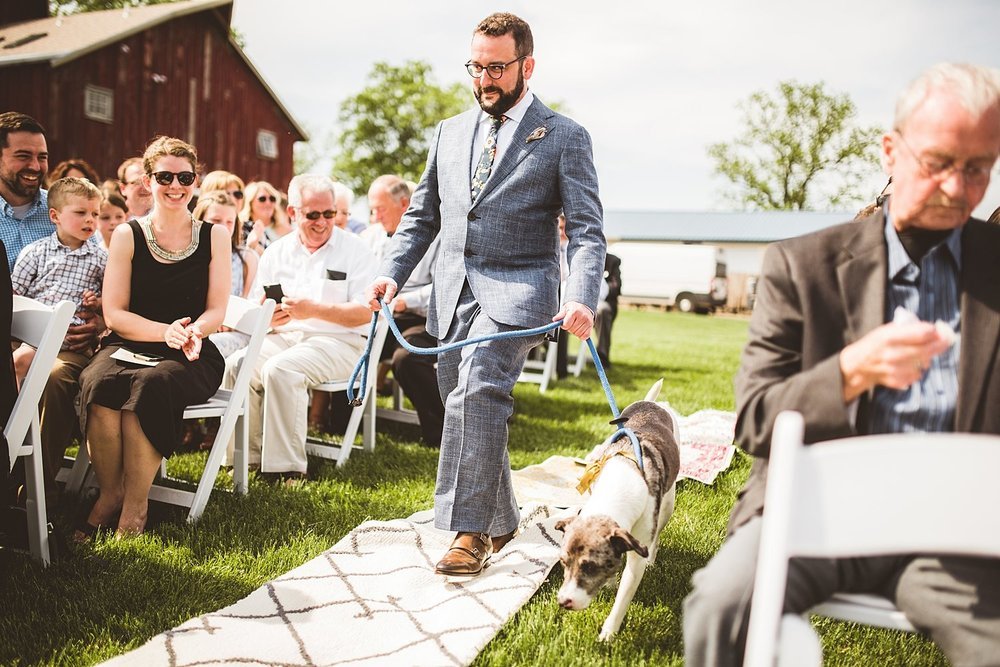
x,y
946,332
903,316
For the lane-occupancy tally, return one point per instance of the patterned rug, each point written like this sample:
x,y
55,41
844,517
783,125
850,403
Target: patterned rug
x,y
373,599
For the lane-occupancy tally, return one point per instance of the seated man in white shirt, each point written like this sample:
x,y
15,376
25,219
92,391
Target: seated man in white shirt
x,y
318,328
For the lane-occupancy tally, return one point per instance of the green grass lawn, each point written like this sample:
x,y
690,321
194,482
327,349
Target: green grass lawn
x,y
113,595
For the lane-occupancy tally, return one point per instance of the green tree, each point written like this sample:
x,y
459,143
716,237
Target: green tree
x,y
799,149
386,128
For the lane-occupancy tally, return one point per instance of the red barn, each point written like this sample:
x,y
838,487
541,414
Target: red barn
x,y
104,83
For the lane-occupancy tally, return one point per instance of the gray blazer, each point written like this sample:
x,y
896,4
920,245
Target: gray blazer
x,y
819,293
506,242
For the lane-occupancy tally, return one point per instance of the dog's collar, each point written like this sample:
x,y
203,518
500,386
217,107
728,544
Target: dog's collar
x,y
595,468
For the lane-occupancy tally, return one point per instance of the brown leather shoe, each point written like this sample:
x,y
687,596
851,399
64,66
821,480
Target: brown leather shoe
x,y
467,556
500,540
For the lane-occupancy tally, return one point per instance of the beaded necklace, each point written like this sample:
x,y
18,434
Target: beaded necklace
x,y
146,224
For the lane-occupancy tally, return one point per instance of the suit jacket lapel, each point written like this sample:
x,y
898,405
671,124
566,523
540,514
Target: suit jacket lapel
x,y
534,117
980,324
862,276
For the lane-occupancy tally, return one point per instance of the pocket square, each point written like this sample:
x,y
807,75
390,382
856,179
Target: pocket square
x,y
536,134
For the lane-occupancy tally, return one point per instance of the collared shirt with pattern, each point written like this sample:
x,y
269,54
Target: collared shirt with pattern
x,y
16,234
50,272
931,292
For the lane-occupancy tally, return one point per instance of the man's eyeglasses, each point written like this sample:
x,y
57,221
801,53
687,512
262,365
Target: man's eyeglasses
x,y
494,71
264,198
185,178
236,194
315,215
940,168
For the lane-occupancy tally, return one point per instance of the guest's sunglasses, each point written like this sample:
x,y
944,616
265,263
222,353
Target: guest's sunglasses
x,y
264,198
314,215
185,178
236,194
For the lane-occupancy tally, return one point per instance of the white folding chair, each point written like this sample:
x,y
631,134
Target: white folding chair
x,y
232,405
398,412
582,357
866,496
44,328
362,415
540,371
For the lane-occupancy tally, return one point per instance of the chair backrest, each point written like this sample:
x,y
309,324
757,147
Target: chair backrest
x,y
44,328
869,495
254,320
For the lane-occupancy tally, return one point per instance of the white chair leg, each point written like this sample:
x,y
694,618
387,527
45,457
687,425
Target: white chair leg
x,y
78,474
38,531
798,643
581,358
241,451
347,444
368,424
551,353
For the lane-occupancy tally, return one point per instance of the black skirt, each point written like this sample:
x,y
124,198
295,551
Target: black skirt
x,y
157,394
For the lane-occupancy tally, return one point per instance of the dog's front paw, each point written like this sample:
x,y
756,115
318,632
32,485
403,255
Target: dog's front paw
x,y
608,632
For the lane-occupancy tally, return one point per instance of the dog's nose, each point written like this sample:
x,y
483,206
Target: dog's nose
x,y
566,603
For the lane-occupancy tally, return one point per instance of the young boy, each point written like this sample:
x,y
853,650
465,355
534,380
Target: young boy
x,y
65,265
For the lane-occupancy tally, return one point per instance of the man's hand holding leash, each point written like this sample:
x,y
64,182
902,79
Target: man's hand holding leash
x,y
383,289
577,319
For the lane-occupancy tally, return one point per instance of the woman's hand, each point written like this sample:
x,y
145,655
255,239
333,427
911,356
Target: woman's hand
x,y
192,348
177,334
256,236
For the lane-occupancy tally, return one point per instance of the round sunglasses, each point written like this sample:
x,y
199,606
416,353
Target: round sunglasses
x,y
264,198
185,178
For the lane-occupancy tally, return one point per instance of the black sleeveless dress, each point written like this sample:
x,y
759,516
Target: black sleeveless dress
x,y
158,394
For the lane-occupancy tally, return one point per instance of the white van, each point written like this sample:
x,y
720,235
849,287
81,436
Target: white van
x,y
686,277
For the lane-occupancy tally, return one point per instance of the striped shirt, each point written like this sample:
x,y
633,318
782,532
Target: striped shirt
x,y
931,292
48,271
16,234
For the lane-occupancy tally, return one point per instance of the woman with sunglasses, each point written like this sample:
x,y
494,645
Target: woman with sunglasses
x,y
264,219
224,181
166,287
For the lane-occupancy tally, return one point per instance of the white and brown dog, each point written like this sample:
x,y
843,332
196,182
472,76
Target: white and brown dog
x,y
627,508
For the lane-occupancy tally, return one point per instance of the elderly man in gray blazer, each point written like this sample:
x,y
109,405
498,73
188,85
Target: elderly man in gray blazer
x,y
496,178
825,341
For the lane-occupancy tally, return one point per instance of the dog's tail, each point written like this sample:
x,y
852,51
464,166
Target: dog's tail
x,y
654,391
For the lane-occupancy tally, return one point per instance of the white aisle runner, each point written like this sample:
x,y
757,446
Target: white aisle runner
x,y
373,599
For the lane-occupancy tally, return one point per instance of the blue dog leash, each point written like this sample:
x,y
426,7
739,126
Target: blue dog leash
x,y
362,368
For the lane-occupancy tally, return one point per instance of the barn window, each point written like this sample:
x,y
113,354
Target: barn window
x,y
267,144
99,103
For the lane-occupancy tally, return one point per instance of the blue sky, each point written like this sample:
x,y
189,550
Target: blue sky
x,y
653,81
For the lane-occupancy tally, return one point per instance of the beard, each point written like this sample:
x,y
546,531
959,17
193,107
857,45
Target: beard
x,y
15,185
505,100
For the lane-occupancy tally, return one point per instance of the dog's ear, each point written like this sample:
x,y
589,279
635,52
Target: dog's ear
x,y
562,523
622,541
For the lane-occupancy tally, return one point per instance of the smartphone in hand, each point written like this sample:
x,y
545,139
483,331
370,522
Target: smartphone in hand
x,y
274,292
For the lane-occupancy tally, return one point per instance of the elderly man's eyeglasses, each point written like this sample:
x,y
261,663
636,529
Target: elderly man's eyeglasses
x,y
165,178
494,71
940,168
315,215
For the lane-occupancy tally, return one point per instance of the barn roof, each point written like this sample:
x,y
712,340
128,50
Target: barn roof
x,y
61,39
716,226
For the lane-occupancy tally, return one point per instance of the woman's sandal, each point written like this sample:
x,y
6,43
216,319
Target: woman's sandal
x,y
84,531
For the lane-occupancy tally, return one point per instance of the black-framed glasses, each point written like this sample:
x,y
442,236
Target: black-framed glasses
x,y
315,215
165,178
940,168
236,194
494,70
264,198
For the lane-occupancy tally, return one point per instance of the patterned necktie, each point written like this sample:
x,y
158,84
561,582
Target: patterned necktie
x,y
485,165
